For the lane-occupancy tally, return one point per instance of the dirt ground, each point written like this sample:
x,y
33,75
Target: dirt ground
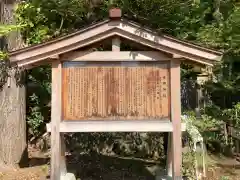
x,y
100,167
223,168
32,173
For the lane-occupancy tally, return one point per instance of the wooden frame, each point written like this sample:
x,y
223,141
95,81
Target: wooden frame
x,y
174,126
116,126
115,56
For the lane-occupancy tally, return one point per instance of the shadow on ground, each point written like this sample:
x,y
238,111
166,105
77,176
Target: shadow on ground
x,y
97,167
101,167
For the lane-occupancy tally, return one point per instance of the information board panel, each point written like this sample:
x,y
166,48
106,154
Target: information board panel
x,y
127,90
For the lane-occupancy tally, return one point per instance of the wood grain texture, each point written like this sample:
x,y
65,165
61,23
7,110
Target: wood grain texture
x,y
169,165
56,120
176,118
13,141
115,56
146,125
115,91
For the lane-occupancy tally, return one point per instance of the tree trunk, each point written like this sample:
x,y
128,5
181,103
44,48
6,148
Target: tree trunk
x,y
13,143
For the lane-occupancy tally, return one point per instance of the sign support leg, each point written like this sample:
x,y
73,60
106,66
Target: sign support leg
x,y
176,119
169,155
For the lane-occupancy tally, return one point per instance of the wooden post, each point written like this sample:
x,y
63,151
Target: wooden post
x,y
203,160
225,133
169,155
55,120
63,167
176,118
116,43
237,145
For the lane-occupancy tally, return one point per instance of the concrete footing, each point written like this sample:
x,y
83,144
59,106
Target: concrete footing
x,y
68,176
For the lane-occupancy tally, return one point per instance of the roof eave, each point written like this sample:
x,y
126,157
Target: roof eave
x,y
108,28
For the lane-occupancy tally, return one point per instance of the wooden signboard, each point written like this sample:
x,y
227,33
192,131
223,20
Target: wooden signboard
x,y
117,90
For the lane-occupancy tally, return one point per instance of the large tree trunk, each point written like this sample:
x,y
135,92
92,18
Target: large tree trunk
x,y
13,144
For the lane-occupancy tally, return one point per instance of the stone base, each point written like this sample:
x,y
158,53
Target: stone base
x,y
163,178
68,176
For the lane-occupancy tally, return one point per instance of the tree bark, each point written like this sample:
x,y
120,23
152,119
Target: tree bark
x,y
13,139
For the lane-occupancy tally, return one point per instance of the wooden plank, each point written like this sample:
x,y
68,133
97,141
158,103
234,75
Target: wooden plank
x,y
225,133
101,87
56,120
237,145
169,155
176,118
115,56
116,126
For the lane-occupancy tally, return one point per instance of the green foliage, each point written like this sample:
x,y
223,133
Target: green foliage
x,y
212,133
3,55
46,19
233,115
35,118
205,122
4,63
224,89
5,30
204,22
38,99
225,178
208,123
140,145
229,116
188,168
210,129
